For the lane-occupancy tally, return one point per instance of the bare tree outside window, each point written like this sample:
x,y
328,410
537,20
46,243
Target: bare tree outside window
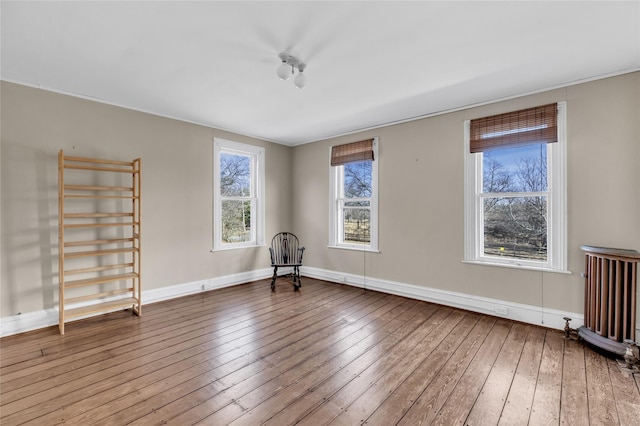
x,y
357,204
235,191
515,202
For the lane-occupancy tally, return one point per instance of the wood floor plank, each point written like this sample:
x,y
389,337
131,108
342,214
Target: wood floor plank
x,y
342,398
74,342
625,392
489,404
352,346
574,405
434,394
517,408
232,359
85,330
153,396
152,367
173,327
545,409
327,354
365,404
398,402
75,345
137,343
203,394
398,321
602,405
311,391
464,395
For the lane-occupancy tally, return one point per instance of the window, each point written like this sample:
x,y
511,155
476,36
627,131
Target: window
x,y
515,190
354,196
238,181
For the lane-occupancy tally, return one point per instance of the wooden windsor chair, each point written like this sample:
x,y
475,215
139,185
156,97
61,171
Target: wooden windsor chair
x,y
286,252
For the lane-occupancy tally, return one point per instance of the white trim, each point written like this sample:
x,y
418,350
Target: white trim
x,y
49,317
546,317
179,290
26,322
556,202
517,265
257,188
335,177
559,192
551,318
354,248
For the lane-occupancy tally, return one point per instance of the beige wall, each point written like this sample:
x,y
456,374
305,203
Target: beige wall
x,y
421,194
421,197
176,181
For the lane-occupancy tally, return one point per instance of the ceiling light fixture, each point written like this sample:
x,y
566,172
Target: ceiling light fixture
x,y
287,69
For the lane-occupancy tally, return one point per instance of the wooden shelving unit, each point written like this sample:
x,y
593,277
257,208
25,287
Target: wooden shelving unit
x,y
98,237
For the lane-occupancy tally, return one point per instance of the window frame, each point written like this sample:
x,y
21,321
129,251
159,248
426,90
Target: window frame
x,y
336,200
257,179
556,206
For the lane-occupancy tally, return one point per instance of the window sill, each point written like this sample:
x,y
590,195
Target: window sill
x,y
236,247
514,266
354,248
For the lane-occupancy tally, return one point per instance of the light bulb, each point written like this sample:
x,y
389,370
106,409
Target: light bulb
x,y
284,71
301,80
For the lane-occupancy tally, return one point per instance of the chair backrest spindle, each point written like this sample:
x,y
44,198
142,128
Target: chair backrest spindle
x,y
285,249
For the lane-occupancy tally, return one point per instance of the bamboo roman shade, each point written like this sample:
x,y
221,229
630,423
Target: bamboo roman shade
x,y
352,152
527,126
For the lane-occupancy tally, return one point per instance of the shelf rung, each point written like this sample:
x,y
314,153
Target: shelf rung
x,y
77,254
98,161
94,196
100,307
97,188
99,280
95,215
99,169
99,225
98,268
98,295
97,242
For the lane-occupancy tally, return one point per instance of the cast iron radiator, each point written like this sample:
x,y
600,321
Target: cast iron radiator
x,y
610,287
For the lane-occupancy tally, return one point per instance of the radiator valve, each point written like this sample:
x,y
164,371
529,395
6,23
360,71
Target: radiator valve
x,y
568,331
631,353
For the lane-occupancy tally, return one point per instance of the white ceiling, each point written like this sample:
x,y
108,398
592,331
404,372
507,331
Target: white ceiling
x,y
368,63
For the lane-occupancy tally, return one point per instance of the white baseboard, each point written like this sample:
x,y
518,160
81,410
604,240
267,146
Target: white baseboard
x,y
519,312
34,320
179,290
26,322
546,317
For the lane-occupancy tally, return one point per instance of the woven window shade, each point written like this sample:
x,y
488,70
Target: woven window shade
x,y
527,126
352,152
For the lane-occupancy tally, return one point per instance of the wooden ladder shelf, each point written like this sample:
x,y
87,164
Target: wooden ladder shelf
x,y
99,237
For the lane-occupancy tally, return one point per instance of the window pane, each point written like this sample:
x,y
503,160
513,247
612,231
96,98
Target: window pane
x,y
356,226
236,221
235,175
516,227
361,203
357,179
519,169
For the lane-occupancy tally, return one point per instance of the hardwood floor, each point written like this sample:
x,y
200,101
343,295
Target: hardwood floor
x,y
330,354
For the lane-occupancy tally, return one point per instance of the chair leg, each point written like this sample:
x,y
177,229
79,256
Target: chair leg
x,y
273,279
297,282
